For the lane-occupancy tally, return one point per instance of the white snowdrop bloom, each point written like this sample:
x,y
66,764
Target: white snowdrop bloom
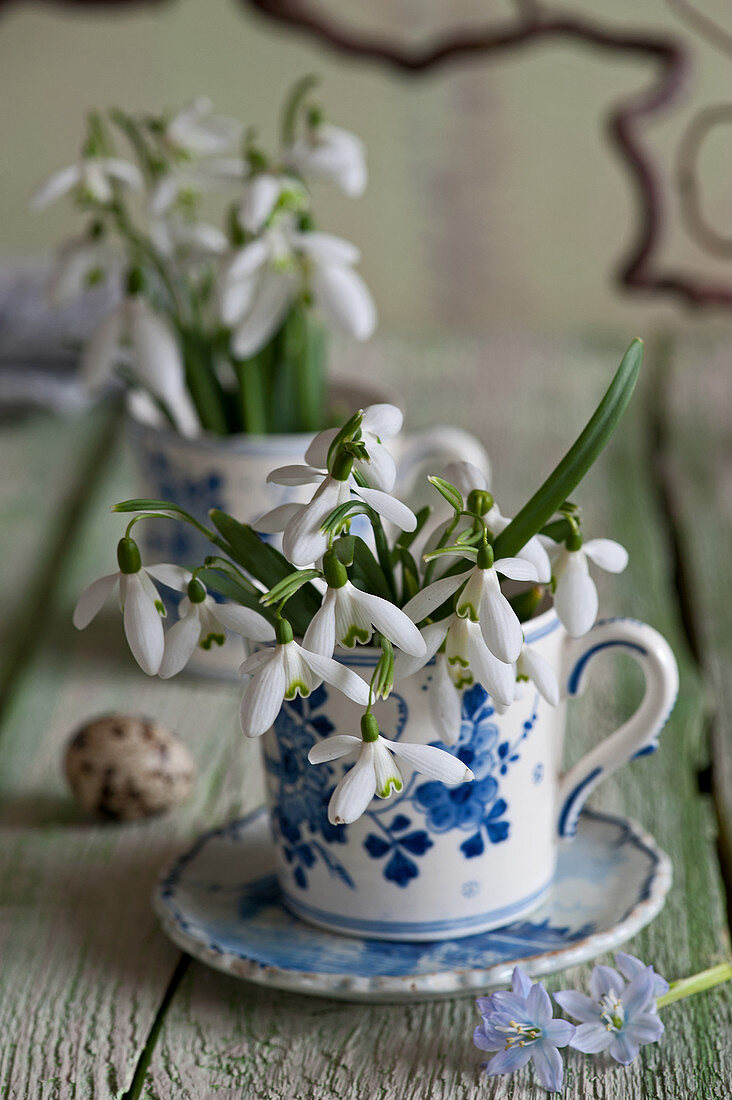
x,y
379,422
202,622
133,329
532,666
348,616
262,281
303,540
376,772
92,178
262,192
184,184
329,153
481,600
80,263
285,671
140,602
196,130
575,597
173,234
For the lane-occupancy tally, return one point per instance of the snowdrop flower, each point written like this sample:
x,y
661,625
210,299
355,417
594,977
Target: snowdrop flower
x,y
80,262
202,622
616,1017
303,540
139,600
263,280
329,153
195,130
461,659
481,600
288,670
262,192
575,597
376,772
519,1025
173,233
157,360
92,178
349,616
532,666
378,422
184,185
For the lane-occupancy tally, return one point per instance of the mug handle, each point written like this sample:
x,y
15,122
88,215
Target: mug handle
x,y
437,447
636,737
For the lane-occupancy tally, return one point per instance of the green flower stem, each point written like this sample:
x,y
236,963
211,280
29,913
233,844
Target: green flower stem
x,y
252,392
310,377
299,90
697,983
578,459
203,385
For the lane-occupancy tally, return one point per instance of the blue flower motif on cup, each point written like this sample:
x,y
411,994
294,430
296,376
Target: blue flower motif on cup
x,y
300,816
400,846
173,541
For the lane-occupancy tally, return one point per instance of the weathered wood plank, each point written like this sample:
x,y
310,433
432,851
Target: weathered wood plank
x,y
83,967
231,1039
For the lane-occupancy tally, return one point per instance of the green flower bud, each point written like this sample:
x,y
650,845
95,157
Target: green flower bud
x,y
196,591
369,728
480,501
336,574
574,541
342,467
128,556
283,632
485,557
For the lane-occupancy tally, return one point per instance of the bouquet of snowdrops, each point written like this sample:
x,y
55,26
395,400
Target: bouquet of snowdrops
x,y
428,585
217,329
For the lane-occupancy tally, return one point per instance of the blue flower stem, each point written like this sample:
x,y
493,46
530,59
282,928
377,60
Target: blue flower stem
x,y
697,983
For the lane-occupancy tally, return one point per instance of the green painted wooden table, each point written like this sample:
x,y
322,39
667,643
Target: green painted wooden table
x,y
95,1002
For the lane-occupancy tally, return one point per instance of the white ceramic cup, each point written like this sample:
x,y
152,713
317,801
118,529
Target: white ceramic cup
x,y
230,473
436,862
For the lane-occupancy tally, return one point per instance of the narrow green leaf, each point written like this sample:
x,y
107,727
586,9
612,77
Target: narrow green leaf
x,y
287,588
452,495
366,573
582,454
223,584
342,514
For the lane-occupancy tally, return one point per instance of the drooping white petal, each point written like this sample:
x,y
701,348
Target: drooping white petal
x,y
500,626
575,600
352,620
445,703
57,184
540,672
235,299
338,676
517,569
433,762
160,364
320,636
471,596
295,475
317,453
432,597
248,260
496,676
270,523
261,193
344,300
123,171
255,661
92,599
263,695
382,420
379,469
607,553
386,769
174,576
303,541
197,130
273,299
331,153
388,507
245,621
143,625
333,748
325,248
180,644
355,791
391,622
95,181
102,350
433,636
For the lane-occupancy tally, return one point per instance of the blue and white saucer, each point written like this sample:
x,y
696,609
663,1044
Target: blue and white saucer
x,y
220,902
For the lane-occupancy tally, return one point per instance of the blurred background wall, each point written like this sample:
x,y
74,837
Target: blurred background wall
x,y
494,200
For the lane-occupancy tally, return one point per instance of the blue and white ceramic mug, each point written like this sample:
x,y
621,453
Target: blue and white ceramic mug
x,y
437,862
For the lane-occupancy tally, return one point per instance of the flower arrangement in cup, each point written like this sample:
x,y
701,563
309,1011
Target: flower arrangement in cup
x,y
334,587
218,330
